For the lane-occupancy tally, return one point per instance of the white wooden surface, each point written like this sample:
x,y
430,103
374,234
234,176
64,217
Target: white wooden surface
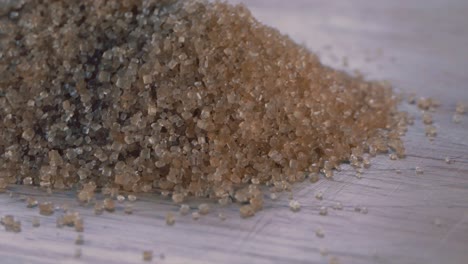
x,y
420,46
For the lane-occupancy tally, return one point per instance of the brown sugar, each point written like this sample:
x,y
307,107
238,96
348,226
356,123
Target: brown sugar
x,y
190,98
246,211
461,108
294,206
109,205
10,224
319,232
170,219
46,208
36,222
184,209
31,202
203,209
79,240
147,255
128,209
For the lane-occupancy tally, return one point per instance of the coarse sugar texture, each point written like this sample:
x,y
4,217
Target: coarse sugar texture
x,y
188,97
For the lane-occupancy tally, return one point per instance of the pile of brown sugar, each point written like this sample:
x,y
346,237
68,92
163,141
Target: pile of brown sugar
x,y
191,98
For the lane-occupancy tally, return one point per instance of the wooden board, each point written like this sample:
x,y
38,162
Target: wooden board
x,y
420,46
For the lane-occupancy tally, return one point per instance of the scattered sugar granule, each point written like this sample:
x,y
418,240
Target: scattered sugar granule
x,y
456,118
28,181
79,224
431,131
36,222
147,255
319,195
131,198
109,205
427,118
170,219
412,98
178,198
323,210
77,253
364,210
357,209
448,160
224,201
184,209
366,162
46,208
120,198
203,209
195,216
98,208
79,240
31,202
246,211
460,108
419,170
314,178
10,224
128,209
437,222
273,196
323,251
319,232
59,222
221,216
398,171
294,205
337,206
334,260
424,103
393,156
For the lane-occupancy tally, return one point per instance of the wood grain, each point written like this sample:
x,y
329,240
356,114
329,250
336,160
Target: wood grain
x,y
420,46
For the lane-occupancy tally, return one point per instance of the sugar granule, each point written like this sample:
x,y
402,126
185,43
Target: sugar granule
x,y
221,216
10,224
170,218
184,209
319,196
195,216
131,198
204,209
323,251
109,204
79,240
364,210
31,202
246,211
337,206
128,209
147,255
77,253
294,206
46,208
36,221
419,170
319,232
323,210
120,198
